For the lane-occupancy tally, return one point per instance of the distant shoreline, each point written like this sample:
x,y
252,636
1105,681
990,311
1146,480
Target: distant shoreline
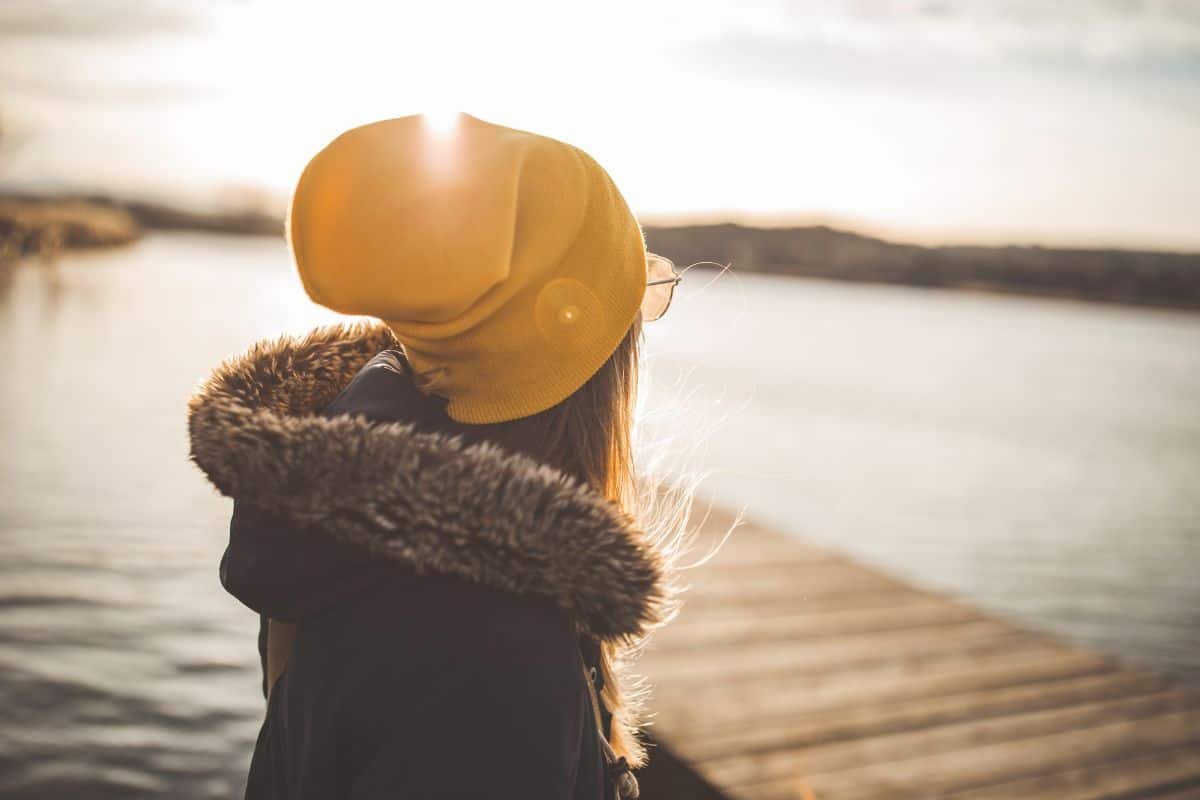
x,y
29,223
1132,277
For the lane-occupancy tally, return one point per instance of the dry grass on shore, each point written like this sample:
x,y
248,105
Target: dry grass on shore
x,y
47,227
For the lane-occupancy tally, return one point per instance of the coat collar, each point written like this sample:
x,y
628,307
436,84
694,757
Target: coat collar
x,y
422,499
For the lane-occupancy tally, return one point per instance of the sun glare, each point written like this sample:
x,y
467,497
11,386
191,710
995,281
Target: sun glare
x,y
441,121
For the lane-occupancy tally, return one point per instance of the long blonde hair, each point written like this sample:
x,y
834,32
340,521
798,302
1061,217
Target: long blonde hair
x,y
590,436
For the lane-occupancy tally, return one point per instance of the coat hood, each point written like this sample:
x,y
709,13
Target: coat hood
x,y
424,500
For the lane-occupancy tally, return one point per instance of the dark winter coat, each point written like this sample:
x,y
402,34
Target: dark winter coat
x,y
443,593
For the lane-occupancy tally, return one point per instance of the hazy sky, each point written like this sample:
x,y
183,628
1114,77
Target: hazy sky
x,y
1058,122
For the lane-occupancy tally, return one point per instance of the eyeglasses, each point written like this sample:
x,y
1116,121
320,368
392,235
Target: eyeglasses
x,y
661,280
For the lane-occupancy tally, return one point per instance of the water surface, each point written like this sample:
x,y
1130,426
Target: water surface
x,y
1040,458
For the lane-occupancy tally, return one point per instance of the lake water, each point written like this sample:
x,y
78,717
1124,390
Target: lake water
x,y
1039,458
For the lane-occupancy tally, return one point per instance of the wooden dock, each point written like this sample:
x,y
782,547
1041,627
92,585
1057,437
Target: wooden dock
x,y
795,673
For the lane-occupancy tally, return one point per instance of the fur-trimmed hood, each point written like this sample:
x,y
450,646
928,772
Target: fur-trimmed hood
x,y
424,500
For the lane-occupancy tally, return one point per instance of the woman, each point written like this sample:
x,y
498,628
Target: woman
x,y
436,516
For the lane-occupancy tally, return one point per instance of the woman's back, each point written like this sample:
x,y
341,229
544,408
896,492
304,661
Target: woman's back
x,y
425,686
443,674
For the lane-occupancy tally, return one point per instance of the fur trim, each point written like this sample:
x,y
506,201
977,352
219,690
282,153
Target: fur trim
x,y
422,499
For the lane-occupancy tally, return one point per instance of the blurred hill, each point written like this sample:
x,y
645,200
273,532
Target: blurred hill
x,y
1122,276
255,217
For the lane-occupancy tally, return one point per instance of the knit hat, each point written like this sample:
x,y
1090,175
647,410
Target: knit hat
x,y
507,263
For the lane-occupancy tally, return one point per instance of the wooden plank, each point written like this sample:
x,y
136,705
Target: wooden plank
x,y
679,709
751,545
777,564
780,573
944,739
1158,772
826,582
837,599
940,773
1190,791
740,554
799,597
790,729
699,631
764,661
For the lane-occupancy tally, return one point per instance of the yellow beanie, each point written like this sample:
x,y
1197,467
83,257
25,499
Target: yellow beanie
x,y
507,263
